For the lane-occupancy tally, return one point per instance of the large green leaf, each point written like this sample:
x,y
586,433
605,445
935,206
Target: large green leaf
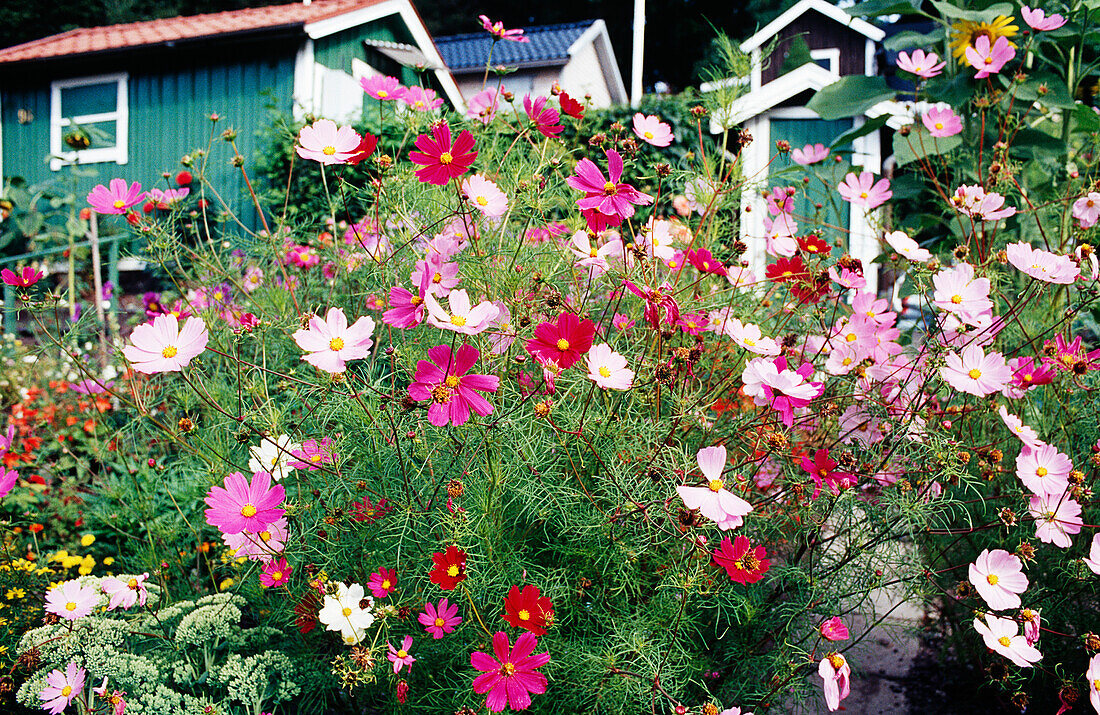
x,y
1086,119
850,96
908,38
946,9
1054,92
871,125
878,8
920,144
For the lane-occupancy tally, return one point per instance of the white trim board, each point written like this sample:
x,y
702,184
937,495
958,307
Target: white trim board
x,y
117,154
825,8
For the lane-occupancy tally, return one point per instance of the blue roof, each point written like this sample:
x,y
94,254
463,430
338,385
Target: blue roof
x,y
549,45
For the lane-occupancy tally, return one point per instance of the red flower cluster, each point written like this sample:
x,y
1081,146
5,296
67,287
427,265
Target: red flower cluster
x,y
450,568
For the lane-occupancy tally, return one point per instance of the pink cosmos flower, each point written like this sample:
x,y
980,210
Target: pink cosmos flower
x,y
62,688
453,393
1092,677
1056,518
770,382
1070,356
382,88
1032,623
326,143
441,159
1017,427
608,369
1043,469
564,341
863,191
407,309
1037,20
660,304
1042,265
442,275
496,29
440,619
942,122
546,118
622,323
162,347
652,130
822,468
167,199
512,675
484,196
125,592
1002,635
989,60
463,317
976,203
1087,209
25,278
907,247
422,100
261,546
809,154
275,573
976,373
8,478
607,201
714,501
921,64
705,262
958,291
400,657
312,455
998,578
847,278
330,343
382,582
244,506
1093,560
70,600
834,630
749,337
483,106
118,199
836,677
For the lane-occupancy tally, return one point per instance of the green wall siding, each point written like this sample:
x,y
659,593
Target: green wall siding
x,y
337,50
800,132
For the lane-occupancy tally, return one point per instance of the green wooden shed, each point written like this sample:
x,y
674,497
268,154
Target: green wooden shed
x,y
145,90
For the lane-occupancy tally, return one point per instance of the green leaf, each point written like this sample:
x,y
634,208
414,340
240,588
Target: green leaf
x,y
850,96
1055,95
905,40
878,8
1086,119
871,125
955,91
920,144
946,9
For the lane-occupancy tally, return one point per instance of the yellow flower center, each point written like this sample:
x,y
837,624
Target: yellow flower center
x,y
458,320
439,623
863,194
975,374
248,511
649,135
939,125
956,299
382,94
328,150
715,485
402,653
750,342
315,458
1041,471
452,570
120,204
265,536
416,300
846,361
336,344
604,372
992,579
169,351
66,691
132,584
451,381
70,606
386,584
347,612
507,669
524,615
592,252
482,201
836,661
563,344
446,158
850,337
989,61
277,576
437,278
1005,641
609,188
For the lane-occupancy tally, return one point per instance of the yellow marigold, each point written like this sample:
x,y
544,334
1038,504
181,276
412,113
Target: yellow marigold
x,y
70,561
108,561
225,584
86,565
87,540
14,593
59,556
964,33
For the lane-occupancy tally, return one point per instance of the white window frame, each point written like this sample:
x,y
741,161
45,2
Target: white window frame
x,y
60,155
832,54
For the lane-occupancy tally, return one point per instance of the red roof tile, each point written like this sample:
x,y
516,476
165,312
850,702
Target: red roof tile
x,y
153,32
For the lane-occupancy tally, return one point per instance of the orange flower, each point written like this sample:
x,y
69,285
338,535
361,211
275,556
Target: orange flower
x,y
36,528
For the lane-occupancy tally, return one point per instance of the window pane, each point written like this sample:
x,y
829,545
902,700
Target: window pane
x,y
97,135
89,99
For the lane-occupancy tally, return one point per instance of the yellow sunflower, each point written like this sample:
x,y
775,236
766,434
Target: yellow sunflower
x,y
965,33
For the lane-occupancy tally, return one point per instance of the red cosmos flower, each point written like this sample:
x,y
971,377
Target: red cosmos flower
x,y
821,468
183,178
305,612
367,512
659,304
24,279
571,106
787,270
812,243
705,262
450,568
607,201
742,562
563,342
365,149
545,118
441,159
528,610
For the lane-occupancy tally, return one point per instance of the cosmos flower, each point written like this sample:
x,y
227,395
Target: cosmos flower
x,y
834,630
942,122
652,130
440,158
25,278
1043,469
1002,635
272,455
343,612
440,619
742,562
400,656
607,201
976,373
546,118
1042,265
864,191
921,64
563,341
70,600
1037,20
1056,518
118,199
161,346
326,143
383,88
608,369
714,501
989,58
125,592
907,247
510,677
526,608
421,100
810,154
275,573
244,505
62,687
449,569
331,342
836,677
1087,209
496,29
382,582
998,578
484,196
443,380
463,317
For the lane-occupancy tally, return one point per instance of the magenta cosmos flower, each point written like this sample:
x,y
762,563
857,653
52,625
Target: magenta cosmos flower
x,y
942,122
651,130
400,656
330,343
834,630
1037,20
275,573
607,201
512,675
422,100
382,88
162,347
496,29
998,578
125,592
1042,265
382,582
989,59
118,199
441,159
921,64
440,619
62,688
546,119
328,144
563,342
23,279
864,191
243,505
453,393
70,600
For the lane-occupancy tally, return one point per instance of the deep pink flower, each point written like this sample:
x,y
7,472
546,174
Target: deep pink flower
x,y
1070,356
1037,20
406,309
400,656
823,470
652,130
834,630
421,100
496,29
70,600
382,88
8,478
440,619
119,199
244,506
864,191
275,573
23,279
162,347
453,393
989,59
441,159
660,305
607,201
942,122
331,342
512,675
546,119
771,383
743,562
382,582
705,262
313,454
564,341
921,64
62,688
